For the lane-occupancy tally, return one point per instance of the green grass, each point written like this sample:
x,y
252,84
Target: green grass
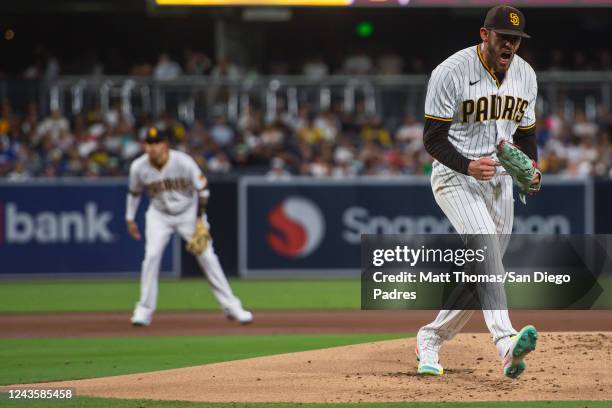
x,y
192,294
37,360
85,402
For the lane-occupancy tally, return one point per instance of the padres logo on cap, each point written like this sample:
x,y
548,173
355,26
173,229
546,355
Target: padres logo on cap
x,y
152,132
514,19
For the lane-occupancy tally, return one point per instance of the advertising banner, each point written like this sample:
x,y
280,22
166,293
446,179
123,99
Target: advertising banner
x,y
309,227
69,227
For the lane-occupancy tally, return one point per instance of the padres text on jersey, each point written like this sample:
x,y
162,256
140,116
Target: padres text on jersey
x,y
482,110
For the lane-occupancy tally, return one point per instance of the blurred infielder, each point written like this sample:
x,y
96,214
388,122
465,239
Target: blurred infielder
x,y
479,101
178,194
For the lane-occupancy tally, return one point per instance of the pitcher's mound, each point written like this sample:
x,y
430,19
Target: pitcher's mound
x,y
565,366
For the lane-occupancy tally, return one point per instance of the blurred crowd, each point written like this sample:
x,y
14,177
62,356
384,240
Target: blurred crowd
x,y
357,61
317,144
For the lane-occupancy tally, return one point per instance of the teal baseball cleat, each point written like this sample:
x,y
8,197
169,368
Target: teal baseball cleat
x,y
428,369
522,344
428,363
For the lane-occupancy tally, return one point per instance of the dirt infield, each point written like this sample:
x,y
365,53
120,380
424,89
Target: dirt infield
x,y
277,322
566,366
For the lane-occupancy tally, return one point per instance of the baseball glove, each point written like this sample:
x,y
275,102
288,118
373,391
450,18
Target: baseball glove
x,y
199,241
520,167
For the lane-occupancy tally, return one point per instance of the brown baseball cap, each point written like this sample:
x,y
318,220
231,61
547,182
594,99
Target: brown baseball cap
x,y
506,20
155,135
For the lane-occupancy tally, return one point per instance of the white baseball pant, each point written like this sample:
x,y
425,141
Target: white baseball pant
x,y
159,228
474,207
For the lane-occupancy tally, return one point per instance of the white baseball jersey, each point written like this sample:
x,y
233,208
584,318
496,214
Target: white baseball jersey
x,y
482,111
173,192
463,90
173,189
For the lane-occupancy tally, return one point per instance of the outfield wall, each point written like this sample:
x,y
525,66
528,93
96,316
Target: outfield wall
x,y
75,227
310,227
69,227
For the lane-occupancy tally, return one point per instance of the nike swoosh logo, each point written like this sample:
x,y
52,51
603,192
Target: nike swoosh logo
x,y
474,83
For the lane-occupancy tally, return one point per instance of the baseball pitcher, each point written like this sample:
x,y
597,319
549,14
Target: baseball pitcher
x,y
178,194
480,129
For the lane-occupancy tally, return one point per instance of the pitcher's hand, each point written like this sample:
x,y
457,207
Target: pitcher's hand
x,y
483,168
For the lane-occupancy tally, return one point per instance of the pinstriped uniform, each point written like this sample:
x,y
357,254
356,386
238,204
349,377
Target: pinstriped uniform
x,y
449,87
482,111
173,192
